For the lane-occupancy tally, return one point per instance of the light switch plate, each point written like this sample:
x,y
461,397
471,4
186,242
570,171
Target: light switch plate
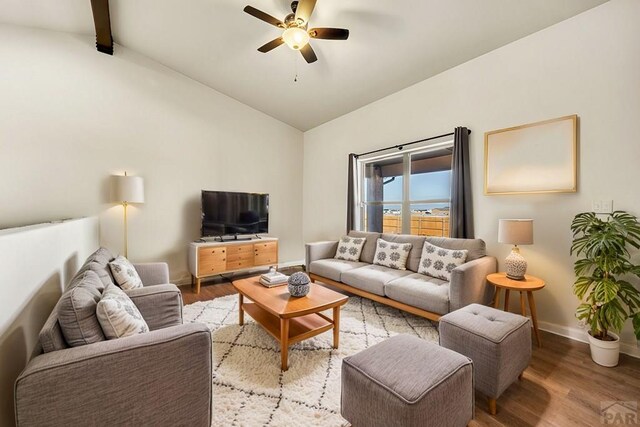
x,y
596,206
602,206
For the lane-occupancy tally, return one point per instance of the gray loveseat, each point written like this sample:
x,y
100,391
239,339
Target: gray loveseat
x,y
160,378
407,289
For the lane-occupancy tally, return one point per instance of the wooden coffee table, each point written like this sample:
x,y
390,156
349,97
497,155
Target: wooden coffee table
x,y
289,319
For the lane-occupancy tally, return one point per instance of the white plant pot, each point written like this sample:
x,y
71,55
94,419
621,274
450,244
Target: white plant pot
x,y
605,353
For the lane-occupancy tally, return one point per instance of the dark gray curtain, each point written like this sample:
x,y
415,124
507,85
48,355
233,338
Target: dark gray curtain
x,y
375,192
351,193
461,224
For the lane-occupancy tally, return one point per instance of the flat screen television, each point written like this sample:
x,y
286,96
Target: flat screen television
x,y
231,214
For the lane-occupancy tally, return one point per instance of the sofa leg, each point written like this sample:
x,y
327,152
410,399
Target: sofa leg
x,y
493,407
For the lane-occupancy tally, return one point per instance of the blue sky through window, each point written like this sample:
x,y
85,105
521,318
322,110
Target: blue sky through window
x,y
424,186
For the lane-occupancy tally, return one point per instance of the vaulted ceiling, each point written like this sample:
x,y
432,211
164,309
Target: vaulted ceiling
x,y
392,44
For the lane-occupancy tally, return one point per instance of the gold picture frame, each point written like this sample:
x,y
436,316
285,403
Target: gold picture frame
x,y
540,157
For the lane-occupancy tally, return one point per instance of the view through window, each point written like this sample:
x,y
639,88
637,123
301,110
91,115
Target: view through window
x,y
407,192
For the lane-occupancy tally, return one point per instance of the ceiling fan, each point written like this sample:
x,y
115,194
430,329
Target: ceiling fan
x,y
295,34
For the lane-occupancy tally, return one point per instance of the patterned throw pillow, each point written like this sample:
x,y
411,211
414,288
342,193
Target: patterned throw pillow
x,y
118,315
391,254
349,248
439,262
125,273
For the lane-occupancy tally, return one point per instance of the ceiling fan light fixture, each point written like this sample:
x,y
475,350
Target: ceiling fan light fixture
x,y
295,37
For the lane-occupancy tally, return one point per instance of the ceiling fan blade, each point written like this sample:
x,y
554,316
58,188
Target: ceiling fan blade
x,y
304,10
271,45
308,53
264,16
329,33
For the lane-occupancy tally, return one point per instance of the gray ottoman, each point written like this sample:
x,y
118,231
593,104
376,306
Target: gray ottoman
x,y
405,381
499,343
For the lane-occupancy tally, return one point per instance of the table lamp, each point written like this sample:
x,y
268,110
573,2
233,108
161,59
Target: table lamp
x,y
127,189
515,232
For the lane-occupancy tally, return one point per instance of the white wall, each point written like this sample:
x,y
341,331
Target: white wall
x,y
70,117
588,65
36,262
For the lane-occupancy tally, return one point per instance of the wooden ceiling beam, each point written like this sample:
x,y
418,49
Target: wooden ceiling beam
x,y
102,20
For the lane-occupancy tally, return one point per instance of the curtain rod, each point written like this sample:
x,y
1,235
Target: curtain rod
x,y
401,146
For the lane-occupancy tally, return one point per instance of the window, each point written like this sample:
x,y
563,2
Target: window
x,y
407,192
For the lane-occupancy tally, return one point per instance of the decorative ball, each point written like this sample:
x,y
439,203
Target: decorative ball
x,y
299,284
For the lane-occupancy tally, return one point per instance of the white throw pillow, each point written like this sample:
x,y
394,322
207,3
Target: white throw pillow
x,y
391,254
439,262
118,315
350,248
125,273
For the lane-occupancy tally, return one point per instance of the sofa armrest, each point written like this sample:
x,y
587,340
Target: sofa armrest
x,y
153,273
469,283
160,305
158,378
319,250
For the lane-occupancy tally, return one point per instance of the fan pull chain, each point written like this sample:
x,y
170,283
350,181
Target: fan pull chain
x,y
295,68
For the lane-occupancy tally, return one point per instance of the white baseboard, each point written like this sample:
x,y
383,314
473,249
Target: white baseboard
x,y
579,334
295,263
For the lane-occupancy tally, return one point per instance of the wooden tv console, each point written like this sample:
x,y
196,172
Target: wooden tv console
x,y
208,259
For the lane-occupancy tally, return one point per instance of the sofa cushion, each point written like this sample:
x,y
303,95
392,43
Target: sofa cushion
x,y
369,249
118,315
350,248
392,255
476,247
50,336
332,268
372,278
125,273
440,262
416,249
98,262
77,310
418,290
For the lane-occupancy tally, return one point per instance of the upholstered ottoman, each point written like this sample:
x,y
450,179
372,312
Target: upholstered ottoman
x,y
405,381
499,343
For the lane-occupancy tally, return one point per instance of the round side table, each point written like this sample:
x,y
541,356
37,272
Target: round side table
x,y
528,285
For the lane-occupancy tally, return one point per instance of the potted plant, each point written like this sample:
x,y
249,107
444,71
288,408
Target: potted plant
x,y
604,261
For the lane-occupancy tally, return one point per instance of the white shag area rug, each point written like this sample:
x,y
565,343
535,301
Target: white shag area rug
x,y
249,389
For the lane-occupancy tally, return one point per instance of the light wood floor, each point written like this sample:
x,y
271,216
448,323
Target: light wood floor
x,y
561,387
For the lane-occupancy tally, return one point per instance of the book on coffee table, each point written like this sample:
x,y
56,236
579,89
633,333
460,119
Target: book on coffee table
x,y
273,279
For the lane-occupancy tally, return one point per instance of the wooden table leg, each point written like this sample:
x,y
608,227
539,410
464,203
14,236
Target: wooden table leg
x,y
284,344
197,285
534,317
493,407
507,294
192,281
496,298
523,308
240,309
336,327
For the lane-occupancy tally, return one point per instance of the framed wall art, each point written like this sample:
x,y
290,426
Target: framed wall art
x,y
539,157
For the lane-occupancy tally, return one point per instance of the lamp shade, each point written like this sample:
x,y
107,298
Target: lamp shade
x,y
129,189
515,231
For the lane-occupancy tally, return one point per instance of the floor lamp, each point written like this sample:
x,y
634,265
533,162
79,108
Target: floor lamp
x,y
128,189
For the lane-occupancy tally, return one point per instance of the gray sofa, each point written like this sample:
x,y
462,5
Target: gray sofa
x,y
406,289
160,378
